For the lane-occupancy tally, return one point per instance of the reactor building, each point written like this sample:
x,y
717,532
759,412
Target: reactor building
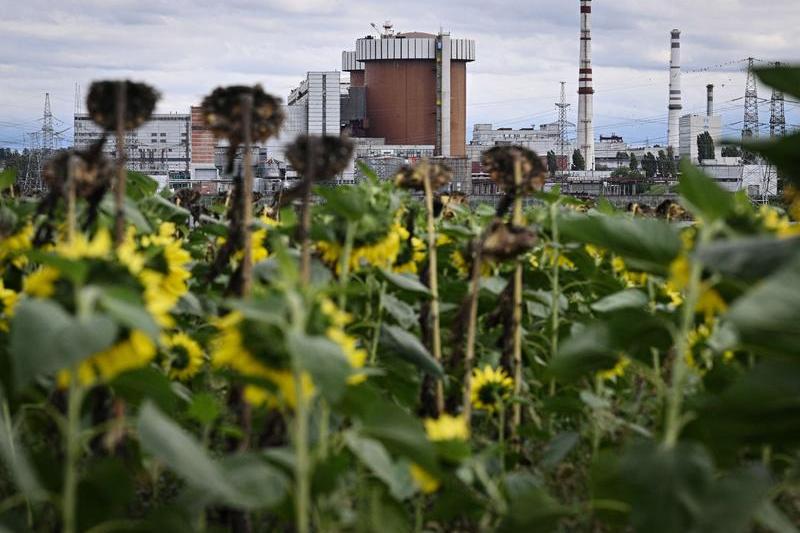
x,y
415,88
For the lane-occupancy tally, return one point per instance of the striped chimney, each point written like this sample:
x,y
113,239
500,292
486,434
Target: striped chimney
x,y
585,89
675,100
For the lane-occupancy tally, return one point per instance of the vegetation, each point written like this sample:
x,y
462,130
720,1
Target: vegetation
x,y
705,146
370,362
578,161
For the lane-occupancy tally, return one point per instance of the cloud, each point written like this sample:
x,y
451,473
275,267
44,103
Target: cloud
x,y
187,47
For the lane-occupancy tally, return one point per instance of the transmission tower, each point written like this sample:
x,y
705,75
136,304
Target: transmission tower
x,y
47,128
777,116
750,124
562,106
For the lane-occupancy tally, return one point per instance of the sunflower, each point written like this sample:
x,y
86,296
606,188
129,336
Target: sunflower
x,y
136,351
357,357
13,246
424,481
8,299
98,247
185,356
164,285
446,428
228,350
381,253
490,387
617,371
41,283
415,252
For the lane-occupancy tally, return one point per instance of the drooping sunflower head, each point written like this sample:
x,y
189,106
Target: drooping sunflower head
x,y
319,157
91,170
413,177
140,102
184,356
505,242
490,388
501,163
224,113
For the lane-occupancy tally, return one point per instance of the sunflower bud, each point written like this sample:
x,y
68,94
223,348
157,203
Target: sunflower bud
x,y
140,101
413,177
223,113
320,158
500,163
504,242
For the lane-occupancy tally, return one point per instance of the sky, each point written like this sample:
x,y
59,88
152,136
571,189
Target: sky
x,y
185,48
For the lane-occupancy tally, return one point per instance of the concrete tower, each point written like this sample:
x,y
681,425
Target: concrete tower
x,y
675,100
710,100
585,90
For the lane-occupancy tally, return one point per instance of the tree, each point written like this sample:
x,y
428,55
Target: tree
x,y
634,163
552,162
705,146
578,162
731,151
649,165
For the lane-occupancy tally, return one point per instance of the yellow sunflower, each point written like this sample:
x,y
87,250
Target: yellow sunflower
x,y
490,387
618,371
13,246
8,300
185,356
447,427
41,283
136,351
425,482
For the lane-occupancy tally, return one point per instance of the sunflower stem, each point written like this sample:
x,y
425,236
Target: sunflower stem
x,y
471,330
344,262
305,228
247,195
680,369
555,296
433,281
73,448
302,463
119,191
373,353
516,320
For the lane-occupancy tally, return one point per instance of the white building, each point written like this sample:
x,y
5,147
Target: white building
x,y
693,125
541,140
159,147
607,150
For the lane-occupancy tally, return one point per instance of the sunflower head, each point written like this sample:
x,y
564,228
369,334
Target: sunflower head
x,y
185,356
140,101
501,161
490,388
413,177
320,158
223,111
92,173
504,242
447,428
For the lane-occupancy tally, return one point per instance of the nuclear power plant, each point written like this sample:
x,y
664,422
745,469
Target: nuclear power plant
x,y
586,89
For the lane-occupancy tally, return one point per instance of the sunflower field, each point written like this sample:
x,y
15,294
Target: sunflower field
x,y
388,357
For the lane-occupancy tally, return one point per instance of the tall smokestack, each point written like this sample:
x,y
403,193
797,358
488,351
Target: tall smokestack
x,y
675,106
710,100
585,90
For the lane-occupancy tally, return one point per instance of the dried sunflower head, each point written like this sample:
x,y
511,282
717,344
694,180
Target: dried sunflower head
x,y
413,177
140,101
320,158
445,203
223,113
504,241
187,197
499,163
670,210
92,172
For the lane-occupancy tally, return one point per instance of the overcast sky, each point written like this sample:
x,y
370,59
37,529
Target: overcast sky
x,y
524,48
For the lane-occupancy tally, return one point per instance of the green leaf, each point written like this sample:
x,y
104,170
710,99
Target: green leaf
x,y
85,337
647,244
767,317
374,455
598,345
531,509
400,311
33,339
138,185
703,196
628,298
346,202
205,408
407,346
257,484
164,209
8,177
126,307
146,384
16,461
770,517
324,360
786,79
749,259
784,153
406,282
558,448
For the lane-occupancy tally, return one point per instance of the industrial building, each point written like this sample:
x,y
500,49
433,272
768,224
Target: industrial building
x,y
691,126
415,86
160,147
